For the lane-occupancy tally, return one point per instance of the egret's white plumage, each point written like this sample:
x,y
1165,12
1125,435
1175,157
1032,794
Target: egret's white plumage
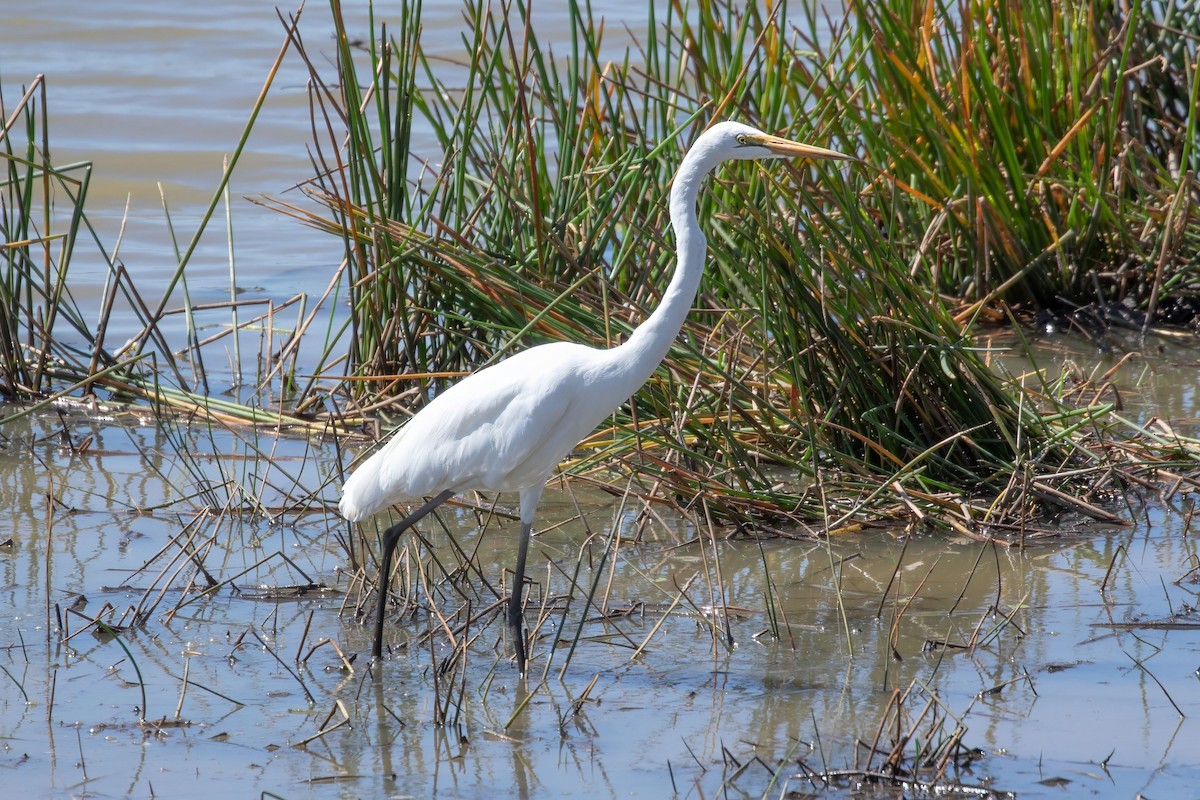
x,y
506,428
502,429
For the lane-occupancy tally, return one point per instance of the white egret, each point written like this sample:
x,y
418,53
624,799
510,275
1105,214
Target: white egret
x,y
507,428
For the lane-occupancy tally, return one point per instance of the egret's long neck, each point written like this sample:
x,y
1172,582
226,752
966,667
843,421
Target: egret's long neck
x,y
650,341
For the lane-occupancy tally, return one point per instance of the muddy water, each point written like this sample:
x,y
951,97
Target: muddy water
x,y
1067,663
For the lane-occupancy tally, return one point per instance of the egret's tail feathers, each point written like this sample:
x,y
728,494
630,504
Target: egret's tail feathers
x,y
361,496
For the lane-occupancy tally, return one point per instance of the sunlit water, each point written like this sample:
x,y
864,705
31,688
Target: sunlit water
x,y
1082,680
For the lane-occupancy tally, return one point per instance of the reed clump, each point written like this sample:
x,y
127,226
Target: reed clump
x,y
43,331
1013,157
1041,154
828,370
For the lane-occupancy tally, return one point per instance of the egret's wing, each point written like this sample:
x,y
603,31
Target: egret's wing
x,y
499,429
481,433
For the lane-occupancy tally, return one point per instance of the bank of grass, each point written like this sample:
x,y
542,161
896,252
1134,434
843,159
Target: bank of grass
x,y
1010,156
828,370
1043,154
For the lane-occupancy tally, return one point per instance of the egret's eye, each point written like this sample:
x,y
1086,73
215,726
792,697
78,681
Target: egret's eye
x,y
741,139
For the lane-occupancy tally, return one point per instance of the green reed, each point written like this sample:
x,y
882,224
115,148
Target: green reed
x,y
1048,148
516,194
821,344
41,220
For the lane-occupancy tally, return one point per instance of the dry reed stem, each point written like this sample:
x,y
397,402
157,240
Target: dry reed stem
x,y
324,727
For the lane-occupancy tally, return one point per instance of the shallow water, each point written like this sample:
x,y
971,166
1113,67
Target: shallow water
x,y
1051,690
1085,643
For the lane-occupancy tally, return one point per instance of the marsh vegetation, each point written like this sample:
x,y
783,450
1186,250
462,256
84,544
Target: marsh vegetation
x,y
856,385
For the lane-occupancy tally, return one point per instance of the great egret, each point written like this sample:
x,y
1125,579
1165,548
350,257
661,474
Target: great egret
x,y
507,427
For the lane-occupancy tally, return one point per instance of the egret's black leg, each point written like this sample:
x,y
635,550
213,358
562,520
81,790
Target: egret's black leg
x,y
516,599
390,537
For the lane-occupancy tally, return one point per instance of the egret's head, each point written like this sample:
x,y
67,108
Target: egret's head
x,y
733,140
